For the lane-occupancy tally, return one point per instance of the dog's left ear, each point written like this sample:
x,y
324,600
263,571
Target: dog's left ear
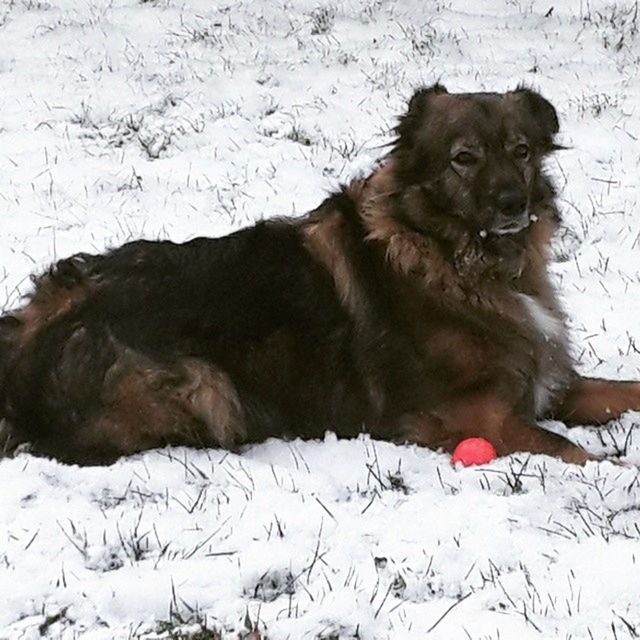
x,y
543,112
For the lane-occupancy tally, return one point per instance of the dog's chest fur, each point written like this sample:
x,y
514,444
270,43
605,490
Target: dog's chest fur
x,y
550,351
473,330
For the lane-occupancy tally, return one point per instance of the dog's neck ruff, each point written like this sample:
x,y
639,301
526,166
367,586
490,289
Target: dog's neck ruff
x,y
469,258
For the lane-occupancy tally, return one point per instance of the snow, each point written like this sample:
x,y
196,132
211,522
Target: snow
x,y
172,119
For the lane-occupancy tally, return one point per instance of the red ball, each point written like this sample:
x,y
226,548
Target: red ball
x,y
473,451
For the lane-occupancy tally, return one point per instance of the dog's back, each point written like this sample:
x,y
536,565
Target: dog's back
x,y
213,342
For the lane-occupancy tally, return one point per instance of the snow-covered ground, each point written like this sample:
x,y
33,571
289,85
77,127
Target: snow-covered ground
x,y
178,118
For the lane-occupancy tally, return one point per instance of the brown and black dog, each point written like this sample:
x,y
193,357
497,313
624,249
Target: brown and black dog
x,y
414,305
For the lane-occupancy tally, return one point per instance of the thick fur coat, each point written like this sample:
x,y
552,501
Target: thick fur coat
x,y
414,305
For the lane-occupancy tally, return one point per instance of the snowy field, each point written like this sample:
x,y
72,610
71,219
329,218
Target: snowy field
x,y
178,118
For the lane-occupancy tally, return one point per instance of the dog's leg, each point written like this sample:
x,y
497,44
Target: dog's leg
x,y
596,401
485,416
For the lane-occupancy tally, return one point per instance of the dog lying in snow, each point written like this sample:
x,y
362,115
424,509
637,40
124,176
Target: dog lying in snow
x,y
415,305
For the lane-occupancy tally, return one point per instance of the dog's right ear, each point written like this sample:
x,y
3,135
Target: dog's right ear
x,y
417,110
420,99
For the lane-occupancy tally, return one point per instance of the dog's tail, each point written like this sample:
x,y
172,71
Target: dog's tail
x,y
8,329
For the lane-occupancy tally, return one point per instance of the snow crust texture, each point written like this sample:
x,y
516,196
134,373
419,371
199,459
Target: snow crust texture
x,y
169,119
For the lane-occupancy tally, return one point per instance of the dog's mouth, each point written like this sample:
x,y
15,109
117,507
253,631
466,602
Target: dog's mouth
x,y
512,227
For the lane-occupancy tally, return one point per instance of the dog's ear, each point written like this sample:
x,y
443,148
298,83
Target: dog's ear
x,y
420,99
416,112
543,112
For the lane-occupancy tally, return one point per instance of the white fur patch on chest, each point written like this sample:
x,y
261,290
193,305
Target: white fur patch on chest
x,y
550,326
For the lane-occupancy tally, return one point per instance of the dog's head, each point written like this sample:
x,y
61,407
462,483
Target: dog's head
x,y
476,156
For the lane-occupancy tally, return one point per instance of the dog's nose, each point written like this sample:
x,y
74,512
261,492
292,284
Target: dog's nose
x,y
511,203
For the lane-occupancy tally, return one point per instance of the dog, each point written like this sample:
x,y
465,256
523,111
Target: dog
x,y
414,305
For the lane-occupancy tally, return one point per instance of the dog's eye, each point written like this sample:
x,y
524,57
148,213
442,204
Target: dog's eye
x,y
521,151
464,159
